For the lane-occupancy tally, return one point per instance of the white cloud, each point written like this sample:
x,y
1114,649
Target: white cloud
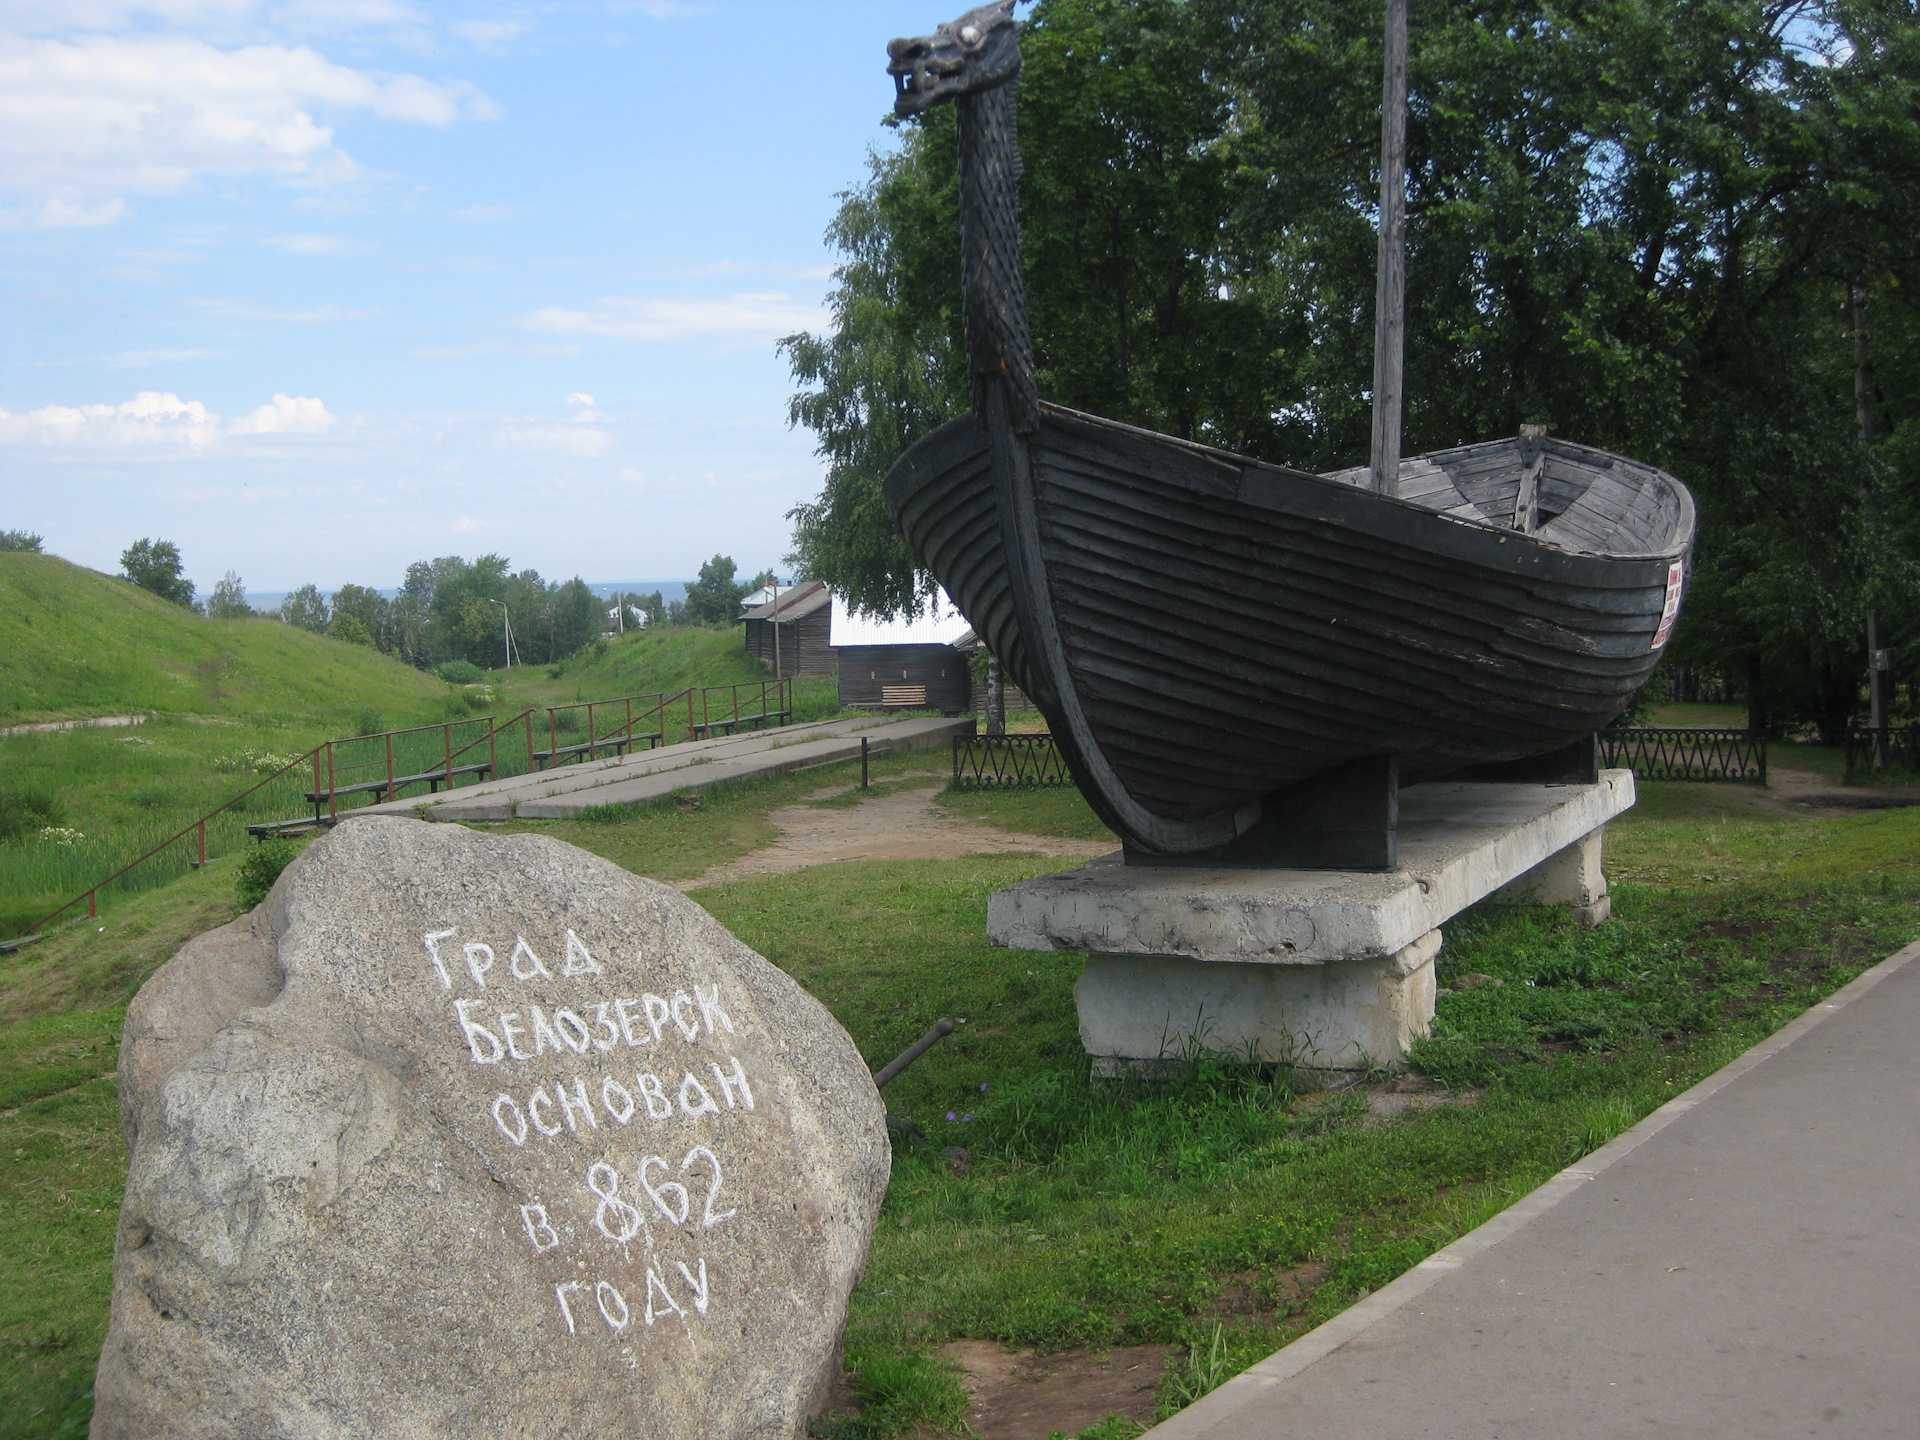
x,y
764,316
466,525
137,359
658,9
480,214
582,443
580,397
64,17
94,118
158,419
287,415
320,245
488,34
635,478
315,315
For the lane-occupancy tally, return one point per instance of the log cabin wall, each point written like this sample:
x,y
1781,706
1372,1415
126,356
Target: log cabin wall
x,y
804,647
905,677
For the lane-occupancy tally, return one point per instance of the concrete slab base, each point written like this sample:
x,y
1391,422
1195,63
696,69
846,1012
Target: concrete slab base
x,y
1330,970
1142,1010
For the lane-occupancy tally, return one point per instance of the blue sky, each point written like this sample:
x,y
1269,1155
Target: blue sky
x,y
318,288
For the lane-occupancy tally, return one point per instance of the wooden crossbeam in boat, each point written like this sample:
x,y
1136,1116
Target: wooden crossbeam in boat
x,y
1533,454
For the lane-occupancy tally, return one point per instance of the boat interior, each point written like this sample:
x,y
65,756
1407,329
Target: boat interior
x,y
1566,495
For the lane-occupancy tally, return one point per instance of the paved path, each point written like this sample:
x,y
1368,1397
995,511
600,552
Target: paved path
x,y
1744,1264
566,790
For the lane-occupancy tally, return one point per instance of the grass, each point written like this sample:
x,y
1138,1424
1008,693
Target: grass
x,y
1224,1213
659,661
75,642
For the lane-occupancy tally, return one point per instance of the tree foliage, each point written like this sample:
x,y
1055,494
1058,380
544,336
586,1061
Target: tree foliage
x,y
24,540
1638,224
228,600
155,565
714,598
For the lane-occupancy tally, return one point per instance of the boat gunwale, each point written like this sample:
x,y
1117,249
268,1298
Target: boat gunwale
x,y
1682,528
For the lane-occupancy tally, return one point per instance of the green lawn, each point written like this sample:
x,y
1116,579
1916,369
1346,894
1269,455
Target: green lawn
x,y
1224,1213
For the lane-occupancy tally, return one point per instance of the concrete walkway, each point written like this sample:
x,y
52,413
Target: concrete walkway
x,y
1744,1264
566,790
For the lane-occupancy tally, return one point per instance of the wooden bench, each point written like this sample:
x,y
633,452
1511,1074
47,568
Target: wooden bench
x,y
709,727
379,788
616,743
266,828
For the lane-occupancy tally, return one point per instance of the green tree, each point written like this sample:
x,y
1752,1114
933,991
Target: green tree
x,y
20,540
714,598
370,612
228,600
578,618
1636,224
307,608
155,565
350,628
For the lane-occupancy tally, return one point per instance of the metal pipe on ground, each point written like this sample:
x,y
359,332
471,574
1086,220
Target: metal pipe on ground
x,y
891,1071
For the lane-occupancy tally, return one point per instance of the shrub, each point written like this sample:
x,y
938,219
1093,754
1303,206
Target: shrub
x,y
460,672
260,868
29,808
368,722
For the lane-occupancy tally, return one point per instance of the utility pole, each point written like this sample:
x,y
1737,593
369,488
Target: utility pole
x,y
776,627
1879,662
1390,294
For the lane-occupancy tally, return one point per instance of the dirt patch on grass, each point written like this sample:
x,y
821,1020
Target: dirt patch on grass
x,y
893,824
1805,790
1017,1395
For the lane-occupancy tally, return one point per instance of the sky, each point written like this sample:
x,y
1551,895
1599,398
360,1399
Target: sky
x,y
318,288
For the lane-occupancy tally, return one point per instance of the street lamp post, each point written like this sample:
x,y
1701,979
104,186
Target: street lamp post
x,y
506,629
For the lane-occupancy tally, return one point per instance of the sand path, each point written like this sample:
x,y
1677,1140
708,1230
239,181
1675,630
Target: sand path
x,y
893,824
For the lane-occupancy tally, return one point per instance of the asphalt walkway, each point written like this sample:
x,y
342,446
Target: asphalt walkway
x,y
648,775
1744,1264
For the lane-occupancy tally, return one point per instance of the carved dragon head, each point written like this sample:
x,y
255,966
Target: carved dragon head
x,y
979,51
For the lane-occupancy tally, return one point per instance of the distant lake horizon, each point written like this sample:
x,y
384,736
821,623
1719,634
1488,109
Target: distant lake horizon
x,y
670,591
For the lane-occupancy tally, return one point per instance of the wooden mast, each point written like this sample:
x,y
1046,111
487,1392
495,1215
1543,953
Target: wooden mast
x,y
1390,297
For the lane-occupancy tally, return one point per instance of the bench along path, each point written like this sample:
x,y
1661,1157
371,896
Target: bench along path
x,y
564,792
1742,1263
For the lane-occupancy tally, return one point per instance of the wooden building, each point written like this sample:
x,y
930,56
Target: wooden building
x,y
804,643
903,664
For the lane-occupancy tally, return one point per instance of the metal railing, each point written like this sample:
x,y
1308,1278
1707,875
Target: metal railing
x,y
1685,752
996,762
361,770
217,832
339,776
1902,747
725,708
615,725
384,763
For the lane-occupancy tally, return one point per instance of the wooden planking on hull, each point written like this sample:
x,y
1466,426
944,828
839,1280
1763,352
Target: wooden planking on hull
x,y
1292,636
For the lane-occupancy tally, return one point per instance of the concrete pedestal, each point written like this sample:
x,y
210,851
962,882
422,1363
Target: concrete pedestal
x,y
1327,969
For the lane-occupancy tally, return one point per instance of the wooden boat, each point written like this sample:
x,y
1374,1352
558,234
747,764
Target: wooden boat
x,y
1210,637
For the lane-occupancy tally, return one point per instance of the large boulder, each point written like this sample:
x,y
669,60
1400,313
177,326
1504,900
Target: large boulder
x,y
465,1135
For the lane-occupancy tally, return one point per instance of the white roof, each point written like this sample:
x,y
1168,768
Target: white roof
x,y
943,627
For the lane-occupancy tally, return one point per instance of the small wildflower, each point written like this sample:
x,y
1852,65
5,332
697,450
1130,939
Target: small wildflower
x,y
985,1085
953,1115
966,1119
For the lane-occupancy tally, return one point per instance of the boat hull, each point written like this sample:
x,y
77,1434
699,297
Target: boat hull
x,y
1204,630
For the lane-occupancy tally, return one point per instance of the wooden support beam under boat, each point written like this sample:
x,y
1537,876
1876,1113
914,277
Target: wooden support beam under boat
x,y
1575,764
1341,819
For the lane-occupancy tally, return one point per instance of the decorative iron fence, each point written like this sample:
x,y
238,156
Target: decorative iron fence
x,y
991,762
1903,747
1684,752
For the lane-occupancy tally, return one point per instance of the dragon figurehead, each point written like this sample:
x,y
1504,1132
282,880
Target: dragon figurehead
x,y
978,52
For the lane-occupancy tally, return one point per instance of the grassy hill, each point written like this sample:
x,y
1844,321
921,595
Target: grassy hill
x,y
648,662
75,642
